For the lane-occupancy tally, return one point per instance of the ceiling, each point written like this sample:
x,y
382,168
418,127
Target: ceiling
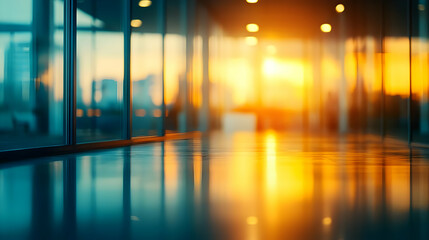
x,y
276,18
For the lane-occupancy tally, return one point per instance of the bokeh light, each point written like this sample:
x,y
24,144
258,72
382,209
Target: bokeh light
x,y
326,27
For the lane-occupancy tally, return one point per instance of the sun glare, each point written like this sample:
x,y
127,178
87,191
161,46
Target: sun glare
x,y
284,70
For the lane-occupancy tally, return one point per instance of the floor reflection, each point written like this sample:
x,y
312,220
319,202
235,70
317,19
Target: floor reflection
x,y
226,186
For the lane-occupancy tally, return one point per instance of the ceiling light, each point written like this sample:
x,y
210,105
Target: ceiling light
x,y
251,41
340,8
252,1
252,27
145,3
326,27
136,23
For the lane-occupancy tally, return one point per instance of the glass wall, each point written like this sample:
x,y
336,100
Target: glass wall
x,y
396,68
167,75
419,71
175,66
100,70
186,73
366,93
31,73
147,67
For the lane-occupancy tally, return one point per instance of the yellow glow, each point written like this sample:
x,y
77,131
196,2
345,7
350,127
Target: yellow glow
x,y
271,170
252,220
145,3
252,1
396,70
174,68
271,49
240,76
251,41
340,8
252,27
197,73
281,70
327,221
136,23
198,172
330,69
421,7
326,27
270,67
171,172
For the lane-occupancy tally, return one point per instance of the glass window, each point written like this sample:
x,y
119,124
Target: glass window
x,y
100,70
147,67
175,66
31,73
365,109
420,74
396,69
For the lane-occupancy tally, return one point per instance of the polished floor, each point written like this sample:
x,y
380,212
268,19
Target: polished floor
x,y
226,186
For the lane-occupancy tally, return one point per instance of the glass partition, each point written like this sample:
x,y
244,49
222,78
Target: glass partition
x,y
147,67
175,66
31,73
396,69
419,71
100,70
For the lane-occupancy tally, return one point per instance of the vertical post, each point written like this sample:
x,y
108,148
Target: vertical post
x,y
409,113
343,106
127,93
204,113
70,71
190,32
383,50
163,17
184,19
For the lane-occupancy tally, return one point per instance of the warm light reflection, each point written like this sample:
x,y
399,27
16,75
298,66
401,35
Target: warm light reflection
x,y
271,49
252,220
157,113
198,168
252,1
271,172
327,221
326,27
252,27
251,41
79,113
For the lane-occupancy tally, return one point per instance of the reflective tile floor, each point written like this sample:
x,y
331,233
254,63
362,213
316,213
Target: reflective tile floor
x,y
227,186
